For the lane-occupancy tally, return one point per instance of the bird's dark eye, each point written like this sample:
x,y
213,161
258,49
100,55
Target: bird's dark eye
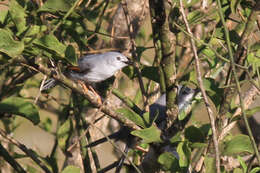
x,y
118,58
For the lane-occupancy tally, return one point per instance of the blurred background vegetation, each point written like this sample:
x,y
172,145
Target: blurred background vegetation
x,y
49,131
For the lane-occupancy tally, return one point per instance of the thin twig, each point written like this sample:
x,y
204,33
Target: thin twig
x,y
133,50
209,46
28,152
199,79
118,148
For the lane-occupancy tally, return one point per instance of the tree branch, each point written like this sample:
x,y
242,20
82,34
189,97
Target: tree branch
x,y
30,153
199,79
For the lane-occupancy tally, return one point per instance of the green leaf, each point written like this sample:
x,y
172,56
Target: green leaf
x,y
64,133
137,119
255,47
151,134
169,162
71,169
148,121
31,169
51,43
238,144
18,15
70,55
242,163
184,154
47,124
54,6
195,16
254,61
182,115
129,71
233,5
176,138
194,134
252,111
36,29
198,145
211,57
210,165
3,15
19,106
255,170
9,46
238,170
213,90
206,129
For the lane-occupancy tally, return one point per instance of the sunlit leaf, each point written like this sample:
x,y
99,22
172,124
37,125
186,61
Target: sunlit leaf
x,y
198,145
184,154
254,61
151,134
36,29
71,169
238,144
56,6
176,138
20,106
64,133
210,165
8,45
252,111
195,16
137,119
238,170
18,15
50,42
169,162
70,55
242,163
255,170
3,15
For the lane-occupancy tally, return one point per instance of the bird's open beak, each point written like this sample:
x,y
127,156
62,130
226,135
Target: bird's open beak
x,y
129,62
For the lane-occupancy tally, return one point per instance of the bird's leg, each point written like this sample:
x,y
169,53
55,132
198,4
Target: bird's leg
x,y
86,88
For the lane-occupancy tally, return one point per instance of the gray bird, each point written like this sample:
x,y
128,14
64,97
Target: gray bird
x,y
158,108
93,68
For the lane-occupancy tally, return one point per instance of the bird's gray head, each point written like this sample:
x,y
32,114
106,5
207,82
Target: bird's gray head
x,y
117,60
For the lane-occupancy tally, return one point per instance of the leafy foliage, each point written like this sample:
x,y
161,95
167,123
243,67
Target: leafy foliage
x,y
53,34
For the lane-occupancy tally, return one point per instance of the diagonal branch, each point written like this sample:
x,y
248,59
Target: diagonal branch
x,y
199,79
133,51
88,95
30,153
15,165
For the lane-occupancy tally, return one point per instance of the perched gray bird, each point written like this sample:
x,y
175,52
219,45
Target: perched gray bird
x,y
158,108
93,68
